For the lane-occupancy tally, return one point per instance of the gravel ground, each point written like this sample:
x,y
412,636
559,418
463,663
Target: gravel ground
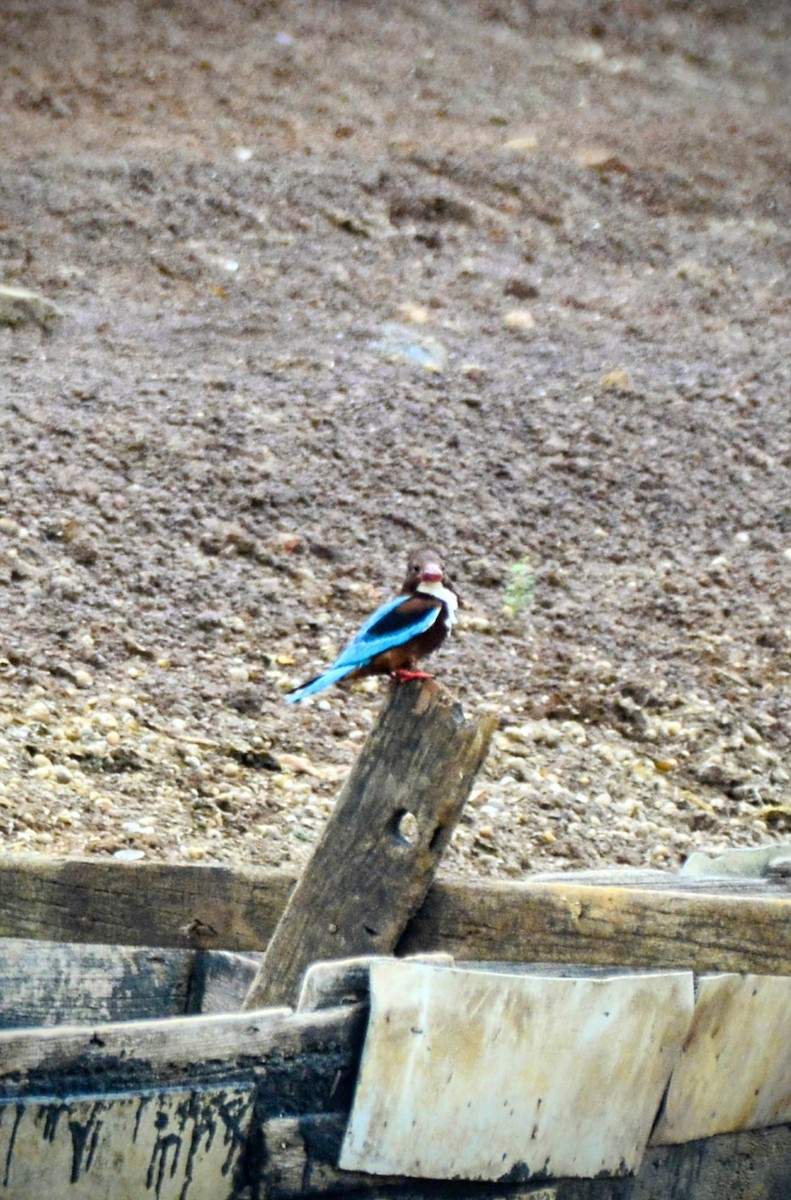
x,y
335,280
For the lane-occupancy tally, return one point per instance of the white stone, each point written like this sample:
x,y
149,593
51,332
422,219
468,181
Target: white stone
x,y
18,306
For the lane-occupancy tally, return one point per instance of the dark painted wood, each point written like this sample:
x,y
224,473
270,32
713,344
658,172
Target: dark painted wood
x,y
301,1157
298,1060
741,1166
383,841
755,1165
221,980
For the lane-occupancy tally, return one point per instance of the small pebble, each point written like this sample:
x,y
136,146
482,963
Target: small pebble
x,y
519,320
38,712
105,720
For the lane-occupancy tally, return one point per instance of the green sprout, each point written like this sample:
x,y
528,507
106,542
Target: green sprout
x,y
520,588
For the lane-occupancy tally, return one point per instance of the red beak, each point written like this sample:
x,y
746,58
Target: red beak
x,y
431,573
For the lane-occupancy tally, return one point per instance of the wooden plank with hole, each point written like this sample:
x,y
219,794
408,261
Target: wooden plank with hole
x,y
390,825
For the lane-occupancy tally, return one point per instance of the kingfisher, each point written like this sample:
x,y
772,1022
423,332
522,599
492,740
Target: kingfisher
x,y
401,631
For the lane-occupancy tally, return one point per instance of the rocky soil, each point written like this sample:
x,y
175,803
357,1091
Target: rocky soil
x,y
335,280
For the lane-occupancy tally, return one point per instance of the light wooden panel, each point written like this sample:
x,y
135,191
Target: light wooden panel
x,y
474,1074
171,1145
735,1069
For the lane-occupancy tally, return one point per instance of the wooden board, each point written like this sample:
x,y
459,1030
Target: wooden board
x,y
735,1069
301,1069
559,921
67,983
605,925
179,1050
347,980
171,1145
47,983
383,841
742,1166
476,1074
221,980
151,904
301,1156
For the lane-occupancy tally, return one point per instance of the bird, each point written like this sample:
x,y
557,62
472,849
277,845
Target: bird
x,y
403,630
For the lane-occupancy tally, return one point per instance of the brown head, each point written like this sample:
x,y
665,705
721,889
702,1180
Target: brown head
x,y
425,566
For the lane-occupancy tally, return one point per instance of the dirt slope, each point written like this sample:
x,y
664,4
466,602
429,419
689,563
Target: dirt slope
x,y
340,279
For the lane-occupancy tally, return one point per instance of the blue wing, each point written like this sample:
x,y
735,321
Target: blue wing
x,y
384,629
387,628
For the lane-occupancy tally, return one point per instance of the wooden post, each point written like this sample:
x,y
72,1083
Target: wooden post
x,y
391,823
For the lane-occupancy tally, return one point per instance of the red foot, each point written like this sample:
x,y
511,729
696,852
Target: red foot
x,y
402,675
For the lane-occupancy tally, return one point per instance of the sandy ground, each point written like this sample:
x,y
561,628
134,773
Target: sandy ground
x,y
339,279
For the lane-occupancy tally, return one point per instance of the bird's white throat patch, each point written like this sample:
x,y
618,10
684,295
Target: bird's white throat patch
x,y
448,598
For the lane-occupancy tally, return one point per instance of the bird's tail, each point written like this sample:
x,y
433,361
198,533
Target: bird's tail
x,y
318,684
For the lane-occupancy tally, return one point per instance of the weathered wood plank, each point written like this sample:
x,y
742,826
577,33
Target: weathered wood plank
x,y
49,983
558,921
609,926
140,904
347,980
740,1166
384,839
648,879
181,1050
301,1156
173,1145
221,980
